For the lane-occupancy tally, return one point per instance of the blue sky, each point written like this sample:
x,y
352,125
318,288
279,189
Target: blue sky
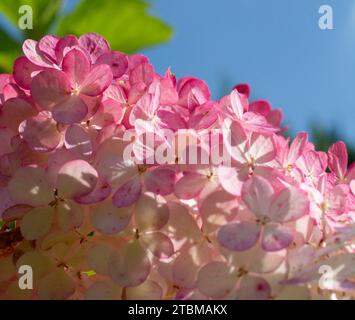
x,y
276,46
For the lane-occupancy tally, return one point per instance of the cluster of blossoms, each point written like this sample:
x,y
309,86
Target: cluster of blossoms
x,y
93,224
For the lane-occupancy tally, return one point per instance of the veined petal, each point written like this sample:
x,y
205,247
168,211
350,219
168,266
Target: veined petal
x,y
160,181
128,193
190,185
108,219
257,193
99,78
239,236
70,110
151,212
77,66
118,62
289,204
24,71
76,178
94,44
130,266
77,140
49,88
40,132
276,237
253,288
158,244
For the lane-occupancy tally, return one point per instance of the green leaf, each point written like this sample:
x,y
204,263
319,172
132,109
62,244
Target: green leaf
x,y
44,14
89,273
9,8
9,51
124,23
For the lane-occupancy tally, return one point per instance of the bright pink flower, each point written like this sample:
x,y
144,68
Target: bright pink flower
x,y
107,166
64,92
271,211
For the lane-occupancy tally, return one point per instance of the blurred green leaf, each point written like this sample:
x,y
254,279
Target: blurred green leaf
x,y
9,50
124,23
44,13
9,8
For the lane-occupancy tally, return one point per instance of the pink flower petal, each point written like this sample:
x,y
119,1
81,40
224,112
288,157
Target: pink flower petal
x,y
192,92
130,266
253,288
77,140
237,104
160,181
262,107
288,205
239,236
24,71
142,73
235,139
151,212
77,66
40,132
158,244
203,116
118,62
128,193
216,280
262,148
190,185
14,111
108,219
338,159
70,110
109,112
231,179
47,46
297,147
30,49
352,186
276,237
99,78
256,194
50,87
94,44
64,45
171,118
243,88
76,178
100,193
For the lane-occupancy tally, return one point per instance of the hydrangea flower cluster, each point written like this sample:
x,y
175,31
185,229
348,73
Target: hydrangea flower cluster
x,y
93,224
